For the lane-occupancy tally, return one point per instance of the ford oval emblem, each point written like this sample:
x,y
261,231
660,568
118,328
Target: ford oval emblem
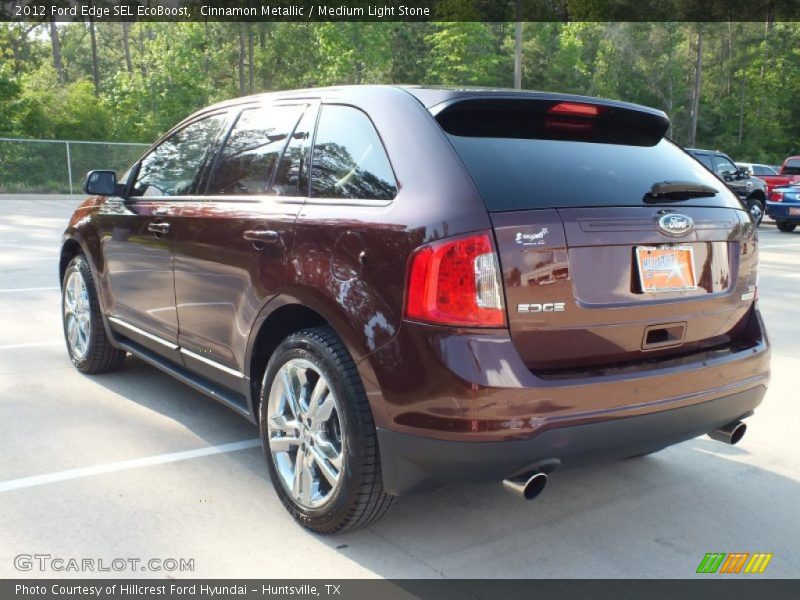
x,y
675,224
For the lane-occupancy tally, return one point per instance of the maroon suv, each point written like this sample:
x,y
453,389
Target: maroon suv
x,y
405,287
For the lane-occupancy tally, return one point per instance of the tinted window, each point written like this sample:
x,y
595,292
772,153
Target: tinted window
x,y
514,173
765,170
349,160
705,159
248,158
171,168
291,176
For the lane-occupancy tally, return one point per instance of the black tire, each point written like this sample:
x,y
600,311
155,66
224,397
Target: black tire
x,y
100,356
755,207
786,226
360,498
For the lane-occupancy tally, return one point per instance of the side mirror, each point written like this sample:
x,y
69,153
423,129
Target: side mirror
x,y
101,183
742,174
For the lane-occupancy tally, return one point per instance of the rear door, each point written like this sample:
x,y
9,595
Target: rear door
x,y
234,239
599,270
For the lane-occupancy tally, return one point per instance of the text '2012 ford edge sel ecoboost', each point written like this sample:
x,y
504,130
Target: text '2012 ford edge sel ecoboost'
x,y
405,287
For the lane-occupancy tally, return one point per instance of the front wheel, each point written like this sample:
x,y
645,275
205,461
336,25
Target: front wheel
x,y
87,343
319,436
756,209
786,226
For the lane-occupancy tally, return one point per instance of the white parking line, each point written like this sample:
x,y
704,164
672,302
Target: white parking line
x,y
136,463
28,259
787,245
31,345
36,289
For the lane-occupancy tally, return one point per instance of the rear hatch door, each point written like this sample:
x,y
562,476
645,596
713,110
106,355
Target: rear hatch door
x,y
597,268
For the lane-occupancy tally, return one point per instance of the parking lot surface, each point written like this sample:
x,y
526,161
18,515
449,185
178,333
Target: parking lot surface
x,y
135,465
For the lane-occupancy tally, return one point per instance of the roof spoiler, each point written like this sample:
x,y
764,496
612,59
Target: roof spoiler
x,y
565,118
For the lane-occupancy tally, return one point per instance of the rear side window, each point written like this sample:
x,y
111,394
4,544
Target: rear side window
x,y
523,157
170,169
705,159
247,160
349,161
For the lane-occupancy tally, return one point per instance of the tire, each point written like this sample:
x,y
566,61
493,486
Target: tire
x,y
336,435
756,209
786,226
84,332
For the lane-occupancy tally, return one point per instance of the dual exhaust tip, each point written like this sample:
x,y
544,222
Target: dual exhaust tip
x,y
526,486
730,433
529,485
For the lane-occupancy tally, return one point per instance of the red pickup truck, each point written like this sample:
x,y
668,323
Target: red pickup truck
x,y
789,173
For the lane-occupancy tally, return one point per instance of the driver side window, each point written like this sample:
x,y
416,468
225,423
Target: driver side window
x,y
170,169
724,166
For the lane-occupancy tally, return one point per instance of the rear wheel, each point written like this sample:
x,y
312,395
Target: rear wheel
x,y
786,226
756,209
319,436
87,343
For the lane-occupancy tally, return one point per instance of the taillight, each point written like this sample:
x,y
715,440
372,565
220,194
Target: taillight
x,y
776,196
574,109
456,282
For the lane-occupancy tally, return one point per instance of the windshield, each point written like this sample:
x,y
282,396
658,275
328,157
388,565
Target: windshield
x,y
792,167
514,174
526,154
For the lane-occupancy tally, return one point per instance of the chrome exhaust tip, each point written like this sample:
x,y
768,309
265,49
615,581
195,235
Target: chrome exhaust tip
x,y
526,486
730,433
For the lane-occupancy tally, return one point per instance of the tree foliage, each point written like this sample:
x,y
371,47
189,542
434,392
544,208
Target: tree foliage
x,y
153,74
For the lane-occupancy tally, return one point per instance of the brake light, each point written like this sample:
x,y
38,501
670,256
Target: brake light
x,y
574,109
456,282
776,196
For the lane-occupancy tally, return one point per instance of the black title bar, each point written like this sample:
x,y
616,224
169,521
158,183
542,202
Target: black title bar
x,y
711,588
403,10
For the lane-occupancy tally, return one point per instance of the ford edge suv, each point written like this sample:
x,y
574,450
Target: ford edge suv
x,y
405,287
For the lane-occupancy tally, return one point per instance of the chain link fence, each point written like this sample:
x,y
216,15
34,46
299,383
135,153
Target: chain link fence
x,y
59,166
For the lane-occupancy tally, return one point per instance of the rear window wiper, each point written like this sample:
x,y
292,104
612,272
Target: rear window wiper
x,y
663,191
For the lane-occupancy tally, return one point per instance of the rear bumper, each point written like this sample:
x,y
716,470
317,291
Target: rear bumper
x,y
780,211
413,463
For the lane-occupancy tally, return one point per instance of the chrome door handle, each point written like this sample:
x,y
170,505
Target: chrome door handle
x,y
261,236
158,228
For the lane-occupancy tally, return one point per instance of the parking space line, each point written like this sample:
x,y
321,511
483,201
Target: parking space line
x,y
787,245
28,258
136,463
31,345
34,289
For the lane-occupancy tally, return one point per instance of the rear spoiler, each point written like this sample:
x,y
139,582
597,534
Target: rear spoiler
x,y
566,118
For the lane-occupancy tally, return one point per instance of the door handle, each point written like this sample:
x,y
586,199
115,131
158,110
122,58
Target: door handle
x,y
261,236
158,228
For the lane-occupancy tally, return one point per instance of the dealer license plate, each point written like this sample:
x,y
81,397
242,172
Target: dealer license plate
x,y
666,268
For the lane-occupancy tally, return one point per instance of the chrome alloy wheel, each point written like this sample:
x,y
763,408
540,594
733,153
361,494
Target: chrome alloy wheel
x,y
77,315
305,433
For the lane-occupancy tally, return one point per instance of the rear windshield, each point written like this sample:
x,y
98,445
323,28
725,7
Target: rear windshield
x,y
792,167
518,169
